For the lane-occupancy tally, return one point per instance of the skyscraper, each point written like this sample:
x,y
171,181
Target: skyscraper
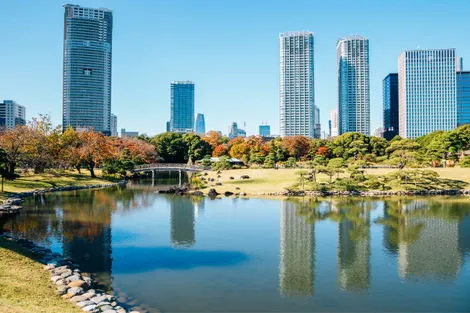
x,y
353,84
334,123
87,68
297,93
114,130
233,131
427,92
264,130
463,98
390,103
200,124
11,114
317,126
182,106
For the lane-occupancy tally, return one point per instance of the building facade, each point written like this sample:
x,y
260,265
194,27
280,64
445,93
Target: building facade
x,y
200,124
297,93
353,84
390,106
317,127
463,98
233,131
334,123
182,106
87,68
265,130
114,129
125,133
427,92
11,115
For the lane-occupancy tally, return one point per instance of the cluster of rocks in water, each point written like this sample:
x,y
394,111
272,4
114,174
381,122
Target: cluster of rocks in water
x,y
70,283
372,193
10,206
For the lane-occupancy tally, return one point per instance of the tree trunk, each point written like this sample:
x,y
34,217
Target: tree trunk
x,y
11,169
78,168
91,167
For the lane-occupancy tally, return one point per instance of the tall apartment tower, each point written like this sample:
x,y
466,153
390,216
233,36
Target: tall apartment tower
x,y
87,68
297,93
182,106
353,84
11,114
200,124
427,92
390,106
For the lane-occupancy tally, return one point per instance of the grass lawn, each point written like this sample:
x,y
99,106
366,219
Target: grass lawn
x,y
24,286
28,182
270,180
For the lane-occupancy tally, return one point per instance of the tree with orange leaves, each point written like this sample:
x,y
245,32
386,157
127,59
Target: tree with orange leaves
x,y
220,150
94,148
214,139
297,146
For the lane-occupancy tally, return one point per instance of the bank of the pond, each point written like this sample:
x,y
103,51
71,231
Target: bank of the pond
x,y
65,188
34,277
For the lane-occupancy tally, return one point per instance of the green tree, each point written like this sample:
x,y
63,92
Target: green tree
x,y
197,147
171,147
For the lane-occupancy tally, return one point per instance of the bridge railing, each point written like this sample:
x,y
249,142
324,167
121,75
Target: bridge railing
x,y
168,165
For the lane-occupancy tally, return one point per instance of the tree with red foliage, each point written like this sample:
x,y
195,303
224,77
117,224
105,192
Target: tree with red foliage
x,y
297,146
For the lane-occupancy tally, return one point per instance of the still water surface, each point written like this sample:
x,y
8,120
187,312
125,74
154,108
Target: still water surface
x,y
179,254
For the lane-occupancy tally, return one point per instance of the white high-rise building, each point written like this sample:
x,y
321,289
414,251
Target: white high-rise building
x,y
297,92
427,92
334,122
12,114
353,84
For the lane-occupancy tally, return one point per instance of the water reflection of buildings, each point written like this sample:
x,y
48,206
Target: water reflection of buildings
x,y
88,242
182,222
427,246
354,250
464,235
296,269
435,253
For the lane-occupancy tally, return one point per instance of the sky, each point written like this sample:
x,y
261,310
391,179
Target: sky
x,y
230,49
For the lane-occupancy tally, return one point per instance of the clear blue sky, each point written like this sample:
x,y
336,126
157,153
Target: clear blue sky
x,y
228,48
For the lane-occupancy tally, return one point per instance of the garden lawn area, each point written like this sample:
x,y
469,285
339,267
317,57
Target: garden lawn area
x,y
263,181
24,286
49,179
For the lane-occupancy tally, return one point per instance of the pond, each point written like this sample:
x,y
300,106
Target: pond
x,y
182,254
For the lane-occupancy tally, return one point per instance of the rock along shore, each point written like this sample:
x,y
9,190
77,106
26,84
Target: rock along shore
x,y
69,282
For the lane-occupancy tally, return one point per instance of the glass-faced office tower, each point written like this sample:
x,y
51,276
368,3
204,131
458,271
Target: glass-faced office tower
x,y
427,92
87,68
297,94
390,105
182,106
353,85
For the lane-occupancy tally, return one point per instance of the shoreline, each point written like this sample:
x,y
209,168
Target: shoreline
x,y
69,282
41,191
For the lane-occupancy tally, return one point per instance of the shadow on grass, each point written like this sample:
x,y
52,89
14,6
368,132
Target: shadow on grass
x,y
13,246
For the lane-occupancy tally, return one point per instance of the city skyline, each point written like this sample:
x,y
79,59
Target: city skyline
x,y
140,61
